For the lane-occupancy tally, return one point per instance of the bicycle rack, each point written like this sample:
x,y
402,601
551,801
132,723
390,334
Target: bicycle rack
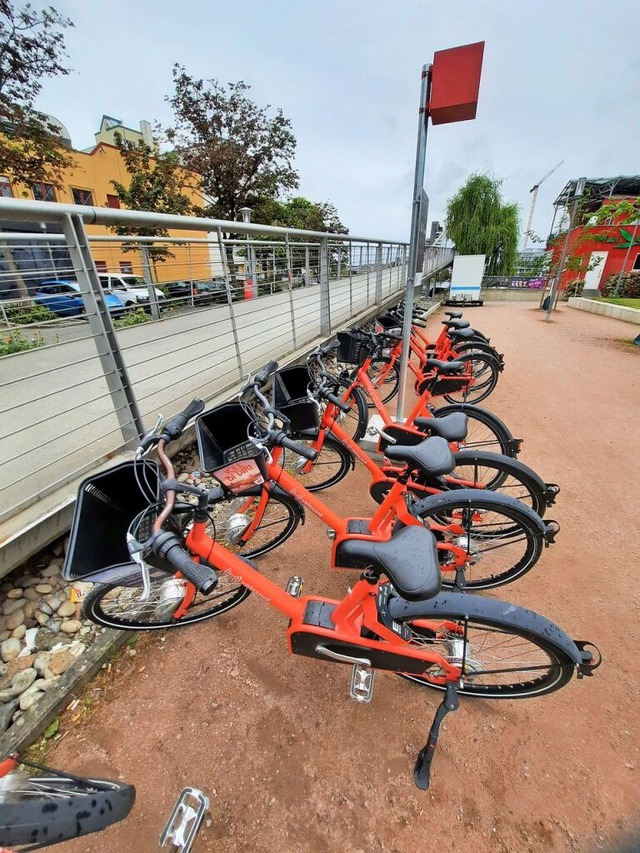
x,y
185,820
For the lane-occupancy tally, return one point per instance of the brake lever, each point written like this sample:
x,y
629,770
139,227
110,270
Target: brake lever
x,y
135,552
147,441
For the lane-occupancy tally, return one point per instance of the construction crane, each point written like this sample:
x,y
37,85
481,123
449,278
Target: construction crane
x,y
534,189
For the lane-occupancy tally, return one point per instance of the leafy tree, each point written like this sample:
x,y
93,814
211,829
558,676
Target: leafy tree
x,y
157,181
479,223
299,212
31,49
242,154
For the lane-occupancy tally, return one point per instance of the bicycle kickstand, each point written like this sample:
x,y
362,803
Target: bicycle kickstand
x,y
422,769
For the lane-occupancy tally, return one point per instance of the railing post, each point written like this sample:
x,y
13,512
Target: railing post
x,y
325,299
368,265
378,297
290,277
115,371
350,278
307,268
146,267
232,316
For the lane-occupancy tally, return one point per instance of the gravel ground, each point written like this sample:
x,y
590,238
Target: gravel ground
x,y
292,764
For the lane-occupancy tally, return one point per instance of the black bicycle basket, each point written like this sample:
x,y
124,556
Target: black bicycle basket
x,y
290,397
351,349
386,323
225,450
108,505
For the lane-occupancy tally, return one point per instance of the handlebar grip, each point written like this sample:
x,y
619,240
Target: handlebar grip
x,y
300,449
175,426
167,546
332,398
327,348
265,373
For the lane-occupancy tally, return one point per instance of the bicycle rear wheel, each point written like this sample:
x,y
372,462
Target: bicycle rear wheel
x,y
354,422
385,378
331,466
485,371
485,430
45,810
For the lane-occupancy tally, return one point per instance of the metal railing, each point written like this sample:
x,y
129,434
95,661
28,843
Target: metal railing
x,y
209,306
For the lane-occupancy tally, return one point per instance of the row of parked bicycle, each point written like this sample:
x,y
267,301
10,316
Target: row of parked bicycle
x,y
457,514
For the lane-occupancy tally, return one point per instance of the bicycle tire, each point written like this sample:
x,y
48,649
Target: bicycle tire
x,y
389,387
498,533
479,420
317,479
487,370
548,669
478,346
357,421
46,810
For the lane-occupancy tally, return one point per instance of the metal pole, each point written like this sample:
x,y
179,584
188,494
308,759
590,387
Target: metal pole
x,y
378,296
418,182
146,267
232,316
289,277
350,280
325,299
307,268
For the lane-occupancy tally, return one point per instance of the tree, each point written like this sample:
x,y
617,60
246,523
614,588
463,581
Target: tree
x,y
299,212
242,154
157,181
479,223
31,49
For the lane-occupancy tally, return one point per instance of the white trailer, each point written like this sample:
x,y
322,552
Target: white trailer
x,y
466,280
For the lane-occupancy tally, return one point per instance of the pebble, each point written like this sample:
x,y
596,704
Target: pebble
x,y
4,635
27,701
71,626
15,593
10,649
13,604
41,618
15,619
60,661
41,661
43,607
19,632
67,608
54,625
6,714
45,640
29,609
53,569
31,594
47,683
20,663
54,601
44,587
24,679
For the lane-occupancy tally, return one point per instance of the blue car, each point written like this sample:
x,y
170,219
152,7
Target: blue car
x,y
63,298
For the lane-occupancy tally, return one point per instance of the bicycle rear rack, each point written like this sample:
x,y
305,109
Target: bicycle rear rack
x,y
185,820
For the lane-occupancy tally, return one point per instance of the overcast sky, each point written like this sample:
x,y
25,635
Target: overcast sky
x,y
561,80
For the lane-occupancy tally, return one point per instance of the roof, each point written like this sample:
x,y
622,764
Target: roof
x,y
598,189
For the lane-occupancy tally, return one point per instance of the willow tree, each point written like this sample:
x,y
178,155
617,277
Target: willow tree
x,y
480,223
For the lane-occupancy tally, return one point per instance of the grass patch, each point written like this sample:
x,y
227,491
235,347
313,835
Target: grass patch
x,y
618,300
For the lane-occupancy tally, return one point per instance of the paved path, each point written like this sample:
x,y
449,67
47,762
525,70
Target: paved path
x,y
291,764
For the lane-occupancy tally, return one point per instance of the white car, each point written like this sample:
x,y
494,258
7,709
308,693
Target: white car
x,y
131,289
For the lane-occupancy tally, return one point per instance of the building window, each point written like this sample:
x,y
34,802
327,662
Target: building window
x,y
82,196
43,192
113,201
636,263
126,267
101,266
5,188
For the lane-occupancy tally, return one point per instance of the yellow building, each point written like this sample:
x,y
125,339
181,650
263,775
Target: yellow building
x,y
89,182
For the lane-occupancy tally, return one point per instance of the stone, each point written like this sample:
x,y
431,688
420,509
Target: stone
x,y
60,661
41,661
15,619
52,569
44,587
48,683
54,601
15,593
3,669
19,632
54,625
24,679
20,663
4,635
6,713
71,626
30,638
40,617
10,649
27,701
45,640
43,607
13,604
31,594
29,609
67,608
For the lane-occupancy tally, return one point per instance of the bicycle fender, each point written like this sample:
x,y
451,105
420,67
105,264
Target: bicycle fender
x,y
493,499
463,456
503,614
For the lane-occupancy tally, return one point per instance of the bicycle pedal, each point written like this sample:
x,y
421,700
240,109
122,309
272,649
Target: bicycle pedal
x,y
185,820
294,586
362,678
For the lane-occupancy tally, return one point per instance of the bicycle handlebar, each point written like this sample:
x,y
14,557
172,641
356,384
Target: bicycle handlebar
x,y
168,547
174,428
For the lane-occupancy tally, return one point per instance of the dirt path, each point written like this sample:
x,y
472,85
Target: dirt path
x,y
292,764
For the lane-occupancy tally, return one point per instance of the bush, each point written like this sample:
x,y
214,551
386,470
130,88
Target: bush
x,y
16,342
629,285
574,288
132,318
19,314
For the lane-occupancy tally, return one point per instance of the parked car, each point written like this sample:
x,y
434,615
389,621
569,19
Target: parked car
x,y
62,297
201,292
131,289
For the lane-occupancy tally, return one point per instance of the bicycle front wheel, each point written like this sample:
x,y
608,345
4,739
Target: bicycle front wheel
x,y
330,467
498,662
500,540
44,810
355,421
485,371
385,378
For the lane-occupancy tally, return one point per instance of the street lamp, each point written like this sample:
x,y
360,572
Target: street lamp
x,y
251,271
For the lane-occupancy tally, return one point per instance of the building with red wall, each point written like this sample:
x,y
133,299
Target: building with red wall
x,y
596,252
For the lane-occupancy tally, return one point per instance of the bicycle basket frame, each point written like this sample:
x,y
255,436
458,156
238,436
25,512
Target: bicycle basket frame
x,y
225,450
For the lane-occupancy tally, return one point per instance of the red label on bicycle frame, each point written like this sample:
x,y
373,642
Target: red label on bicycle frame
x,y
239,475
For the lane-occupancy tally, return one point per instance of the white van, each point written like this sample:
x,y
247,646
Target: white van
x,y
131,289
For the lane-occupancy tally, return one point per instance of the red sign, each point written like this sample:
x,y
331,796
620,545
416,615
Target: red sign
x,y
455,83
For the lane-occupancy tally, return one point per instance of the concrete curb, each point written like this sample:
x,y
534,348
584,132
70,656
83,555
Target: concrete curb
x,y
34,721
606,309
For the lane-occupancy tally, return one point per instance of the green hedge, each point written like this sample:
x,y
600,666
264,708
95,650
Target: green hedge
x,y
629,285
